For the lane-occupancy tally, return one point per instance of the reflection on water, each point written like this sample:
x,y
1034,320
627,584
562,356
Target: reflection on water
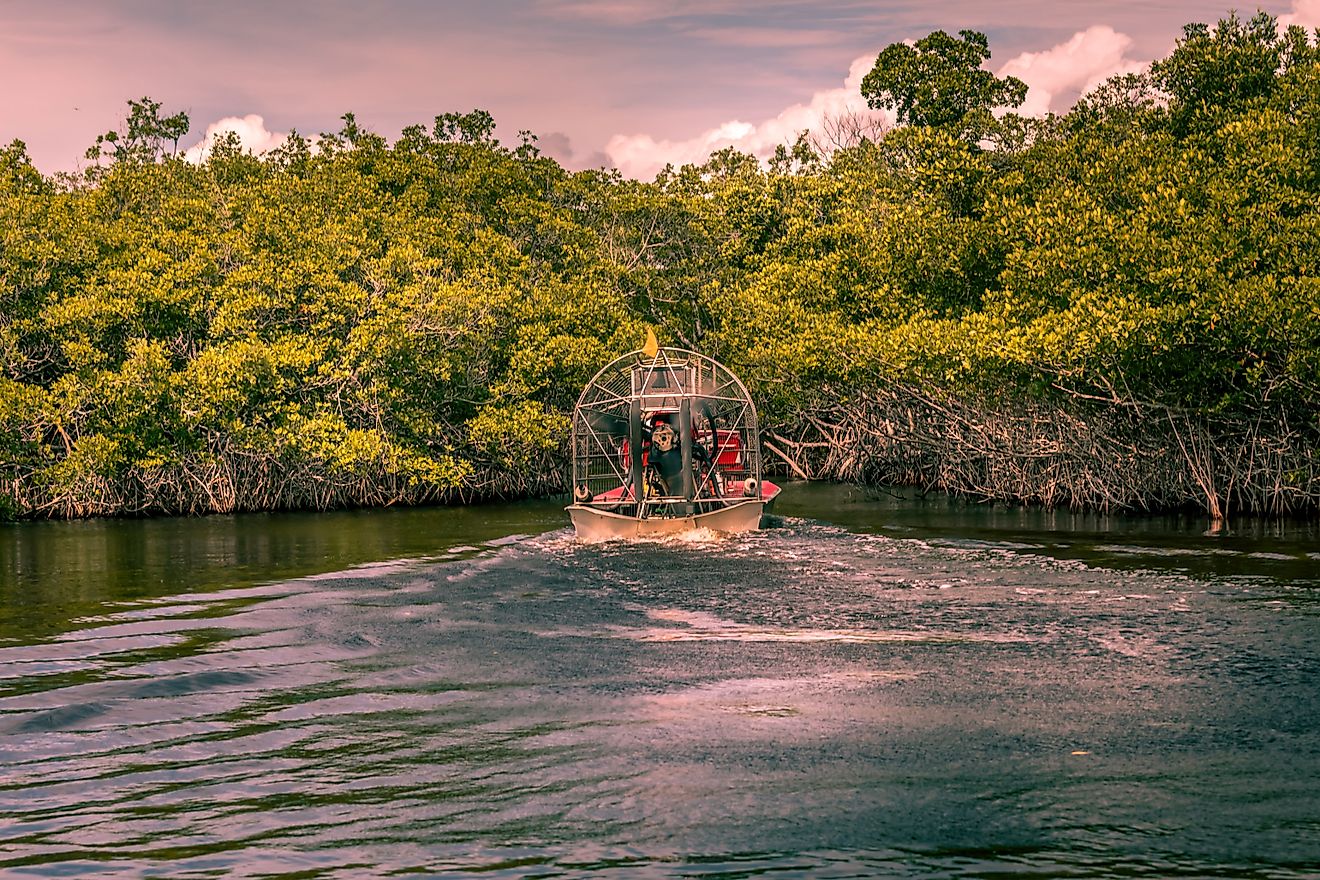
x,y
53,571
907,688
1171,541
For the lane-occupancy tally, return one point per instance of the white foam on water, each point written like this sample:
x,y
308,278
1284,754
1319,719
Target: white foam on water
x,y
701,626
371,569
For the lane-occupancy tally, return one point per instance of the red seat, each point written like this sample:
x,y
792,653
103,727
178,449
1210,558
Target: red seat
x,y
728,449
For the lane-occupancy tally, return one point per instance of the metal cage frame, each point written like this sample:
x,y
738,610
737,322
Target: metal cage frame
x,y
711,406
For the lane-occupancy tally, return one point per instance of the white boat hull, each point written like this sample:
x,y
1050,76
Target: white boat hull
x,y
665,441
593,524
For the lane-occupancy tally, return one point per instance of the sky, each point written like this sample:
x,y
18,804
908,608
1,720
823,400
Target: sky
x,y
629,84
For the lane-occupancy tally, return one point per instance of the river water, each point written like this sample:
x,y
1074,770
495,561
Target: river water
x,y
878,685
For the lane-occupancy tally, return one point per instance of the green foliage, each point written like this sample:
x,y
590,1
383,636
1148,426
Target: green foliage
x,y
1216,74
1123,106
144,135
938,81
370,323
17,173
517,434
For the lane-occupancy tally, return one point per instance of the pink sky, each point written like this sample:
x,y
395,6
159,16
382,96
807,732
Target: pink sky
x,y
625,83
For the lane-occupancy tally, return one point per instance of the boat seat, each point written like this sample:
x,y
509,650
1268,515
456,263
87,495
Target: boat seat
x,y
728,450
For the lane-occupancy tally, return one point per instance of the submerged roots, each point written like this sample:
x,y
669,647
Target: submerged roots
x,y
1099,455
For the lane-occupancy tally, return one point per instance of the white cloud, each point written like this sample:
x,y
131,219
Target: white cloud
x,y
1055,77
1305,13
251,131
642,156
1058,75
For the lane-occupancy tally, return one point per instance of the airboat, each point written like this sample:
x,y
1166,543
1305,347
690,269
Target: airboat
x,y
664,442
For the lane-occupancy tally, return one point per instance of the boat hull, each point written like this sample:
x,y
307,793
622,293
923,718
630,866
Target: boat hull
x,y
593,523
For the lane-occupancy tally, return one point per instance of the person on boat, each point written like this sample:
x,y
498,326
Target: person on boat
x,y
666,458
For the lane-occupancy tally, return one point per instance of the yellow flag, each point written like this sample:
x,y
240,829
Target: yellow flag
x,y
652,347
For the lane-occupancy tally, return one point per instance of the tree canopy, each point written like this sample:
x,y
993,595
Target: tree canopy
x,y
349,321
939,81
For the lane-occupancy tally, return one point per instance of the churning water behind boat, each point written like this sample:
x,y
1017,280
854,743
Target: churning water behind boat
x,y
804,701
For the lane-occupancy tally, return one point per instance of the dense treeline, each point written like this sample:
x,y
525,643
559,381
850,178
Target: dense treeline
x,y
1118,307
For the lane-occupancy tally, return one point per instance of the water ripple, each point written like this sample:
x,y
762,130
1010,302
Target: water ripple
x,y
798,702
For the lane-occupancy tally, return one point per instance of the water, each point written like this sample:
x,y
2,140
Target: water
x,y
877,686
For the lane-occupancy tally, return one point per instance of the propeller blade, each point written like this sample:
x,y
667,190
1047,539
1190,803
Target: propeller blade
x,y
607,423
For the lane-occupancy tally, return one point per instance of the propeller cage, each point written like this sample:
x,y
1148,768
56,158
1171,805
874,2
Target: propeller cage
x,y
705,404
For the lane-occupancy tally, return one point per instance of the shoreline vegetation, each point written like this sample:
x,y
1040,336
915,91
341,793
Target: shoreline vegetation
x,y
1117,308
